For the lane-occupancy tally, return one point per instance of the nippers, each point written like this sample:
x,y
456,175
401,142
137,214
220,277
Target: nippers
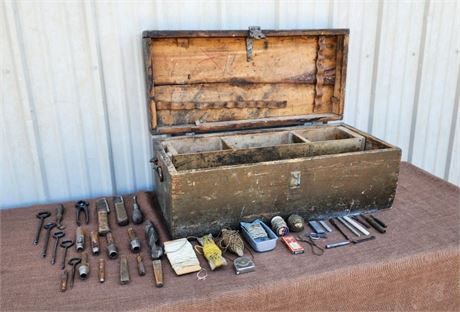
x,y
82,206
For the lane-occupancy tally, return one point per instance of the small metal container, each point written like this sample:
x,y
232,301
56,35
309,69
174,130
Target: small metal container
x,y
80,239
83,269
244,265
95,246
112,250
134,242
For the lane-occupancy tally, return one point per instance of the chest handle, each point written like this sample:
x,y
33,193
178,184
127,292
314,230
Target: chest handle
x,y
157,168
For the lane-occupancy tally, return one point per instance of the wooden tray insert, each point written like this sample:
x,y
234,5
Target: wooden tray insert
x,y
227,150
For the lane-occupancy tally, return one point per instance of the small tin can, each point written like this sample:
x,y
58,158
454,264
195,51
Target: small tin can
x,y
279,226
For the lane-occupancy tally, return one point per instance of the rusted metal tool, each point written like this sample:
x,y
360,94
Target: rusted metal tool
x,y
156,251
80,239
82,206
59,216
83,268
112,250
140,265
64,279
124,270
73,262
120,211
101,270
95,246
57,236
48,228
66,245
137,216
42,215
102,210
134,242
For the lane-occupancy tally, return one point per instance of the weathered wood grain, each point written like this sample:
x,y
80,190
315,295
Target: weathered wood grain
x,y
240,33
170,105
282,100
224,60
247,124
196,61
207,152
207,200
229,189
262,154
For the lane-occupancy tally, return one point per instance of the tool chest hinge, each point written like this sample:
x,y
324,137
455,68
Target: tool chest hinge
x,y
254,33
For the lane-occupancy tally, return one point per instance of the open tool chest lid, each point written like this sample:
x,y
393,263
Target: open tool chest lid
x,y
204,81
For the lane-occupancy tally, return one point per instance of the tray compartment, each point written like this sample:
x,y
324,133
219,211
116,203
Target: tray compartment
x,y
230,150
332,140
262,140
194,145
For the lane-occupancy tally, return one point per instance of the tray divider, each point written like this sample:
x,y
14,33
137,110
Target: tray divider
x,y
170,149
227,145
297,137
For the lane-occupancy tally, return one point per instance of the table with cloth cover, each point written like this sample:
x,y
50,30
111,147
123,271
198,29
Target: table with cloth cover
x,y
414,266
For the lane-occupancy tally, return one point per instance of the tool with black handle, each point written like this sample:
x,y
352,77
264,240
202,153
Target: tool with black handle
x,y
380,222
156,251
348,240
137,215
374,224
362,222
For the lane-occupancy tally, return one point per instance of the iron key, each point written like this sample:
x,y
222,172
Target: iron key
x,y
57,236
73,262
47,227
66,244
42,215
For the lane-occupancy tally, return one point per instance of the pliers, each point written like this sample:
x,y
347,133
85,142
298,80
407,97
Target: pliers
x,y
82,206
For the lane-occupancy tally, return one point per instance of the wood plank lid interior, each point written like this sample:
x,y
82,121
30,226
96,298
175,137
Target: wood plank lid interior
x,y
203,81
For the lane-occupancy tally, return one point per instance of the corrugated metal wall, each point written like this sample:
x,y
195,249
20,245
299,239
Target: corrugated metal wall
x,y
73,115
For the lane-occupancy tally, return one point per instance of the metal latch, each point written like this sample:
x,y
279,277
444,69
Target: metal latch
x,y
254,33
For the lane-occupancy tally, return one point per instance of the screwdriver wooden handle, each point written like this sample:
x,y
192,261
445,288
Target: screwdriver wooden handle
x,y
64,278
103,222
157,273
120,211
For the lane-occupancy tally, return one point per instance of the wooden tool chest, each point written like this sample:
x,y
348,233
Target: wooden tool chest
x,y
239,125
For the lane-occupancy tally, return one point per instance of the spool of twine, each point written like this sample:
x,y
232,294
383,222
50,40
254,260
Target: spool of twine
x,y
295,223
279,226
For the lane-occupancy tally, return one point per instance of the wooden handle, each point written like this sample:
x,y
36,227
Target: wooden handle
x,y
157,168
157,273
103,223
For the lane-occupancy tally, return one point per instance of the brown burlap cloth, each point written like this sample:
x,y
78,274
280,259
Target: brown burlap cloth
x,y
414,266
